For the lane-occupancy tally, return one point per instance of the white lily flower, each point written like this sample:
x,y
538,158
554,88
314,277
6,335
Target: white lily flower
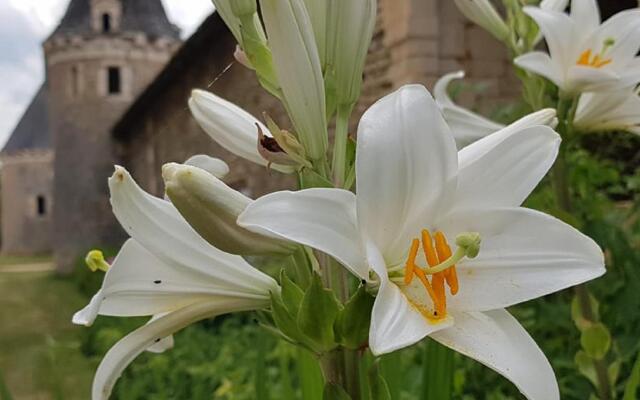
x,y
298,69
168,271
585,55
467,126
609,111
411,183
231,127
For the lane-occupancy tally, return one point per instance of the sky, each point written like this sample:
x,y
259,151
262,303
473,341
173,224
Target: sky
x,y
24,24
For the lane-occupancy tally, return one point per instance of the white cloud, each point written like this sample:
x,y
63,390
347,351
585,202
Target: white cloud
x,y
24,24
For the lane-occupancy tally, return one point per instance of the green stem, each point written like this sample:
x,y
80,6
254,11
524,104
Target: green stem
x,y
566,111
438,368
340,144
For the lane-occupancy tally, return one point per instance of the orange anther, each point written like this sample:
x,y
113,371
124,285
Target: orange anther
x,y
427,247
444,252
585,58
425,282
410,266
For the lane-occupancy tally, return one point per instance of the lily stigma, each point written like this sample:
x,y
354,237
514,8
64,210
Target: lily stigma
x,y
441,267
588,59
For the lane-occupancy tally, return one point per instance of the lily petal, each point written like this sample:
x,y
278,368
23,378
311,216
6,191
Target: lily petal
x,y
502,170
406,164
466,126
139,284
524,254
161,230
559,33
540,63
324,219
212,165
230,126
395,323
129,347
586,14
584,79
497,340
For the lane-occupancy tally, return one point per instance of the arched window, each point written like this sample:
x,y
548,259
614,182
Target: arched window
x,y
106,23
75,81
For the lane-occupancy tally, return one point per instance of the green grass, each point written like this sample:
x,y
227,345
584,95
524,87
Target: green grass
x,y
19,260
40,357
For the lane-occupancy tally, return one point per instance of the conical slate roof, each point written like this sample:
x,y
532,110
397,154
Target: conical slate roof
x,y
32,132
146,16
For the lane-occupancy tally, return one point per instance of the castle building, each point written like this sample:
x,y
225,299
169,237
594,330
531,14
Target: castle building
x,y
118,80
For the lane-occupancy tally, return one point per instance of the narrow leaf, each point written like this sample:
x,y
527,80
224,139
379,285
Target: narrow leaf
x,y
317,315
633,383
353,321
334,392
378,389
438,368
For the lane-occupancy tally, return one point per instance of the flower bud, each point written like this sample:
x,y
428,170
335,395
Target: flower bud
x,y
299,72
211,208
214,166
240,8
485,15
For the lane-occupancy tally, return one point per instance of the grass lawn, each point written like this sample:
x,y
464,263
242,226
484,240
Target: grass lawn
x,y
39,347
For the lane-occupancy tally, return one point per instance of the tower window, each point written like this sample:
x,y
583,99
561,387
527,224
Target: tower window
x,y
106,23
75,81
114,83
41,205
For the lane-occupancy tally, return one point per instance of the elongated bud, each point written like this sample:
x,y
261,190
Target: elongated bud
x,y
214,166
211,208
241,8
485,15
297,66
355,20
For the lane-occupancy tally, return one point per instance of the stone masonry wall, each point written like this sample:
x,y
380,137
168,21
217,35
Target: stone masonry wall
x,y
82,114
27,225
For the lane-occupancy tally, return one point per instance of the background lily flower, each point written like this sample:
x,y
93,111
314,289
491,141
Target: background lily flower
x,y
485,15
467,126
412,184
585,55
231,127
610,111
166,270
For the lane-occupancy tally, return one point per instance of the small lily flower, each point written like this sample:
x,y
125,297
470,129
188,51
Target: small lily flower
x,y
609,111
415,195
168,271
211,208
585,55
467,126
231,127
299,72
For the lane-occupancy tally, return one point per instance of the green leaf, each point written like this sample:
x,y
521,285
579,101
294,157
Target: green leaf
x,y
334,392
586,368
352,324
310,178
291,294
596,341
318,312
4,390
576,312
310,375
438,368
378,389
633,383
283,319
261,386
614,371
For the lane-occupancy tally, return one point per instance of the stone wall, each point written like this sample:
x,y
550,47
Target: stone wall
x,y
82,113
26,180
161,128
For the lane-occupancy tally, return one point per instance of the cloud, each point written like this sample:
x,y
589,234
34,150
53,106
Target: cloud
x,y
24,24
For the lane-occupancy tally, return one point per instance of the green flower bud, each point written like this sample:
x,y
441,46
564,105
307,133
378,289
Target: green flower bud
x,y
211,208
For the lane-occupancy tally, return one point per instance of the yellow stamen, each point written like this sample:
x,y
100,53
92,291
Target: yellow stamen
x,y
444,252
597,61
411,262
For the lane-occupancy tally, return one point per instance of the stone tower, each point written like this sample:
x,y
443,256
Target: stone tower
x,y
100,57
